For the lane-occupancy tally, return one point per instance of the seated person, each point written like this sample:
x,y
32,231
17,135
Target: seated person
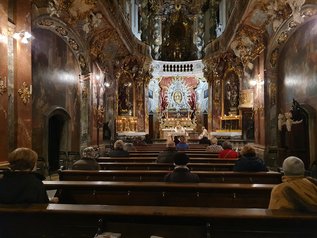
x,y
181,172
204,141
295,192
118,150
176,140
204,133
182,145
129,147
88,160
22,184
214,147
227,152
248,161
147,139
166,156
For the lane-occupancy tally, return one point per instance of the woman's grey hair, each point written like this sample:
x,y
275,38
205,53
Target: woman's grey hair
x,y
118,145
227,145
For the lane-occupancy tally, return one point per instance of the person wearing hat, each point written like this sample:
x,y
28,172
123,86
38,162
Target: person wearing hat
x,y
181,172
88,160
21,184
295,192
166,156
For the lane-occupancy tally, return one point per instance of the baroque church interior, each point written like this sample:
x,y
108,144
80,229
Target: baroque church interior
x,y
77,73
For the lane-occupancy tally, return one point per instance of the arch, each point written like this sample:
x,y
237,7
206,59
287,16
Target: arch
x,y
56,135
69,36
275,49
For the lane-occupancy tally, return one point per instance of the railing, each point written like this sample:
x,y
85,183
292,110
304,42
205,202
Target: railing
x,y
178,68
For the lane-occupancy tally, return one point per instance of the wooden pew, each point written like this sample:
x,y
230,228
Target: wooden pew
x,y
190,154
158,175
162,194
158,147
70,220
164,166
146,159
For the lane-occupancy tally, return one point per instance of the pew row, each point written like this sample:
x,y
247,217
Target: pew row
x,y
158,175
190,154
70,220
152,159
165,166
162,194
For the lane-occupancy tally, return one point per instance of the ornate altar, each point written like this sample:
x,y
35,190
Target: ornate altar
x,y
126,124
231,123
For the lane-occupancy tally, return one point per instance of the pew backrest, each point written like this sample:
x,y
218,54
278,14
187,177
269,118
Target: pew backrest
x,y
162,194
158,175
71,220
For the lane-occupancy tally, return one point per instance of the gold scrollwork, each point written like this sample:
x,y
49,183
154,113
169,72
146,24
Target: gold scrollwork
x,y
3,86
99,115
25,93
84,93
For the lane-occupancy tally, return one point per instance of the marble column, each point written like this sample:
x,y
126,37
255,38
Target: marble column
x,y
84,109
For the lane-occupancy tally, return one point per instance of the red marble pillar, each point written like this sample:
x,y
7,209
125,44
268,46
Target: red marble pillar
x,y
23,77
3,81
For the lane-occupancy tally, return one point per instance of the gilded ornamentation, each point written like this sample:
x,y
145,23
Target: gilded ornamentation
x,y
61,31
292,24
46,22
278,12
274,57
248,43
273,93
3,86
73,44
25,93
282,38
99,115
308,12
82,62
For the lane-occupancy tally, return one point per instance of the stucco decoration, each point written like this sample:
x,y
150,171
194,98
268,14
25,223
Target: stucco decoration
x,y
153,95
71,39
202,95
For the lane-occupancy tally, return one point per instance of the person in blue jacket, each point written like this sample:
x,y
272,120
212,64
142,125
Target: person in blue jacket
x,y
248,161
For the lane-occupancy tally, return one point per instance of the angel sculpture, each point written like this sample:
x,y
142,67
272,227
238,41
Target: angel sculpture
x,y
281,121
289,121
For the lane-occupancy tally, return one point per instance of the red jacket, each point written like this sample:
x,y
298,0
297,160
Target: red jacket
x,y
228,154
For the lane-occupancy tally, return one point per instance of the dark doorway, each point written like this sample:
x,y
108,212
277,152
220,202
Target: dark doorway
x,y
151,125
205,120
55,129
296,141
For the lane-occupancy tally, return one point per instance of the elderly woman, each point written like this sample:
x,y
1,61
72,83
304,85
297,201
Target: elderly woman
x,y
88,160
228,152
214,147
248,161
296,191
118,150
21,184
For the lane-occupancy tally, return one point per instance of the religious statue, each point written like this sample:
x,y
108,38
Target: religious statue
x,y
179,129
177,97
204,133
